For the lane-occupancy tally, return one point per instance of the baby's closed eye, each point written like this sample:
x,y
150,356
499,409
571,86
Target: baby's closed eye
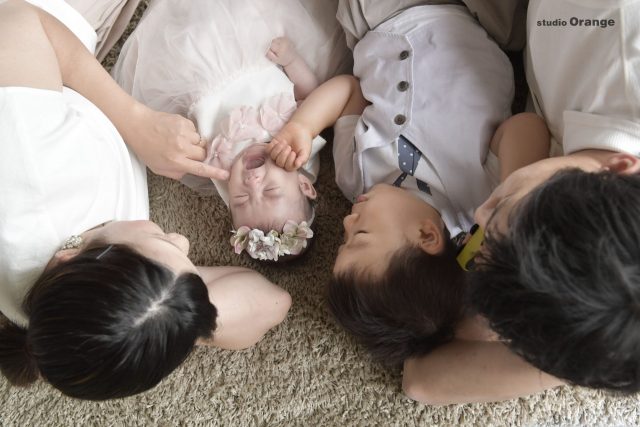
x,y
272,191
240,199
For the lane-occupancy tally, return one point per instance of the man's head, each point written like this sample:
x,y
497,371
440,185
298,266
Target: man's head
x,y
272,202
559,274
396,285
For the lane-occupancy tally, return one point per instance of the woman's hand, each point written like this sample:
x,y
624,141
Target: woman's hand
x,y
169,145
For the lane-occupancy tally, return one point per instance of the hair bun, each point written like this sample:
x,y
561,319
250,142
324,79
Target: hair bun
x,y
16,361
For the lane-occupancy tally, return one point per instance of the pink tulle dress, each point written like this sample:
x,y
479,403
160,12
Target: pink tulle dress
x,y
206,60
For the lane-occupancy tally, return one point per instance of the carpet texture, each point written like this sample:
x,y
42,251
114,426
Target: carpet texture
x,y
304,372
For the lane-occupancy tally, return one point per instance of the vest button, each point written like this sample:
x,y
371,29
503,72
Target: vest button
x,y
403,86
399,119
404,55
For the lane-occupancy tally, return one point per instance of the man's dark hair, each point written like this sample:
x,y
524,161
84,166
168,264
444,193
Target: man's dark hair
x,y
108,323
411,309
563,285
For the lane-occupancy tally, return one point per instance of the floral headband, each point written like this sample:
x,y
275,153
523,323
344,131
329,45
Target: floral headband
x,y
291,241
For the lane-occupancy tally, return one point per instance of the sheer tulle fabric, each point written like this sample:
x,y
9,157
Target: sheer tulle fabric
x,y
183,50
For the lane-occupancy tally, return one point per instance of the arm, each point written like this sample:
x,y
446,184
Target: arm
x,y
167,143
248,305
283,53
337,97
472,371
519,141
474,367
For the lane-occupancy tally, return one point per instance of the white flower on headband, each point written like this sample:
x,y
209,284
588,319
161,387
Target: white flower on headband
x,y
291,241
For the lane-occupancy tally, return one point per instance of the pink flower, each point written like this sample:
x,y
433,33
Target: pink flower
x,y
240,239
276,111
219,153
291,241
242,124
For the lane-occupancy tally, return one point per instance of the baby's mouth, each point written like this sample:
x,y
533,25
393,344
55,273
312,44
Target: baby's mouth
x,y
254,157
253,161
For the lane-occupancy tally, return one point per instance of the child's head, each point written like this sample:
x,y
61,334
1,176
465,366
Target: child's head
x,y
396,284
559,274
265,197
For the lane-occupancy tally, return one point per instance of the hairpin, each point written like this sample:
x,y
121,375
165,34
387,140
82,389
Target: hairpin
x,y
469,249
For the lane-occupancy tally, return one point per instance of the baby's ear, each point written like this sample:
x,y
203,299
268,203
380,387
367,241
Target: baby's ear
x,y
432,240
307,187
623,163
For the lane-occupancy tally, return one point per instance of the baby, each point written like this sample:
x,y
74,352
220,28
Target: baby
x,y
271,208
239,83
411,150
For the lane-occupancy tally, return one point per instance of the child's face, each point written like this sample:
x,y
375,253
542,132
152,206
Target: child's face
x,y
381,222
262,195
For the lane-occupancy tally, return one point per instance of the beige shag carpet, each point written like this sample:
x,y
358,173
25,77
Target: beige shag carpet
x,y
304,372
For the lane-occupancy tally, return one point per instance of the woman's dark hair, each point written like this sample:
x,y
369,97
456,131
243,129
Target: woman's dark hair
x,y
108,323
563,285
408,311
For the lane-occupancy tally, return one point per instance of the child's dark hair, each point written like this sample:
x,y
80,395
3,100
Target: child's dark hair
x,y
108,323
410,310
563,286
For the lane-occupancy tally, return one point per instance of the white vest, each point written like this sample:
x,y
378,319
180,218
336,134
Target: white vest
x,y
433,75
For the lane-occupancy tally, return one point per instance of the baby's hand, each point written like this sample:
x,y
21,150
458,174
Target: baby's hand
x,y
282,51
290,149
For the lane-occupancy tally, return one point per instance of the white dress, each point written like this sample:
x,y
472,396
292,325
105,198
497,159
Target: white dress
x,y
206,59
63,170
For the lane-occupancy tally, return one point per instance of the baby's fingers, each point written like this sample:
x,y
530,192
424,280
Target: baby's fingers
x,y
274,149
271,55
301,157
291,164
299,163
281,159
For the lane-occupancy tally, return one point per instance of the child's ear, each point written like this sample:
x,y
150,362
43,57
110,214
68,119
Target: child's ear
x,y
307,187
62,256
431,237
623,163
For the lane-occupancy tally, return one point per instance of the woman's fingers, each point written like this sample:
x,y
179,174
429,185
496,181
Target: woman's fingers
x,y
196,152
204,170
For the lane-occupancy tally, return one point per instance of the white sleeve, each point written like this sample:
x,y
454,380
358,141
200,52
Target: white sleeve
x,y
71,19
584,131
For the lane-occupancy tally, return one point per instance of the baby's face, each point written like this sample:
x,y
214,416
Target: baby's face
x,y
263,195
381,222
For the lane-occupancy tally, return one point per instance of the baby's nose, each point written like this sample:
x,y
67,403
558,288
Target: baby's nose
x,y
252,179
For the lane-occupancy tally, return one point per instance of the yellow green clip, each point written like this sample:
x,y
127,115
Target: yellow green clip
x,y
468,252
